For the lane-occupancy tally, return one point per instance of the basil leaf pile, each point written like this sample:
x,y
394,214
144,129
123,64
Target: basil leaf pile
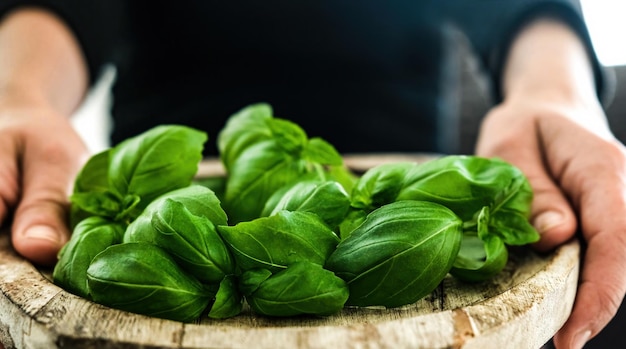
x,y
263,153
289,230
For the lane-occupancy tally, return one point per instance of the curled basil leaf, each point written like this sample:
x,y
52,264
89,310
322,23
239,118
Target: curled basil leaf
x,y
327,199
198,199
142,278
302,288
191,240
465,184
90,237
399,254
277,241
380,185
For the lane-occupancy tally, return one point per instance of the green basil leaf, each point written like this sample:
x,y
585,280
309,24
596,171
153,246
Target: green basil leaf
x,y
319,151
290,137
510,213
280,240
399,254
96,203
351,221
328,200
244,128
191,239
142,278
466,184
90,237
258,172
91,194
462,183
380,185
251,280
302,288
139,165
479,260
342,174
513,228
228,301
94,175
199,200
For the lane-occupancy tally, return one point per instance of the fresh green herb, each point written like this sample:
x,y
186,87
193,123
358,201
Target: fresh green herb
x,y
302,288
143,278
289,230
120,182
277,241
399,254
91,236
228,300
262,153
182,223
326,199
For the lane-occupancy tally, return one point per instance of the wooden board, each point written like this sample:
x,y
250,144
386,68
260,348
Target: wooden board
x,y
521,308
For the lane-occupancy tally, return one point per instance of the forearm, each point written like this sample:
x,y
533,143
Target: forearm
x,y
548,60
41,61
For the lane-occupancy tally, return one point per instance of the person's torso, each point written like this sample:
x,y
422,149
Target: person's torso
x,y
365,76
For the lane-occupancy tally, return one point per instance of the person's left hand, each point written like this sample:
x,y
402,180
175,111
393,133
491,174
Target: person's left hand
x,y
578,173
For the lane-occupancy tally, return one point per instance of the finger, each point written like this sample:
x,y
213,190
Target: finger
x,y
599,294
601,196
551,212
40,222
8,178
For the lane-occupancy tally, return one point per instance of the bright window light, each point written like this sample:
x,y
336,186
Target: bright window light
x,y
607,25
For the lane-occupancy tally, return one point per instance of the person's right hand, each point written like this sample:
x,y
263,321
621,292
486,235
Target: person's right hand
x,y
40,155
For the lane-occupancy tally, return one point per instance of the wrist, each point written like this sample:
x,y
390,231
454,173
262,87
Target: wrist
x,y
41,61
554,95
548,62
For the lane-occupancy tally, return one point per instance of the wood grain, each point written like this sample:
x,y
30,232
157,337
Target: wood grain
x,y
520,308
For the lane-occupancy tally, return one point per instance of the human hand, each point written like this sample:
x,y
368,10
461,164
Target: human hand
x,y
40,154
578,173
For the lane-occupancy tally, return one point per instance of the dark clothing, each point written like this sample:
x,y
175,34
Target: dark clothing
x,y
368,76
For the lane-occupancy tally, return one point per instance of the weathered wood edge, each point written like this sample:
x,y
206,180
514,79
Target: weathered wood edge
x,y
38,314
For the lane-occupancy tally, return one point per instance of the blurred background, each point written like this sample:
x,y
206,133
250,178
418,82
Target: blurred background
x,y
605,19
606,25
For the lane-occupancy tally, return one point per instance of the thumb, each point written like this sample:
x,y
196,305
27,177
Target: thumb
x,y
40,222
551,212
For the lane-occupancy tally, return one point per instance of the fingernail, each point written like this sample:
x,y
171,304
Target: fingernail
x,y
42,232
547,221
580,339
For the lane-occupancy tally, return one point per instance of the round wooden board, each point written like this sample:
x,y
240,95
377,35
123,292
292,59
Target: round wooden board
x,y
521,308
